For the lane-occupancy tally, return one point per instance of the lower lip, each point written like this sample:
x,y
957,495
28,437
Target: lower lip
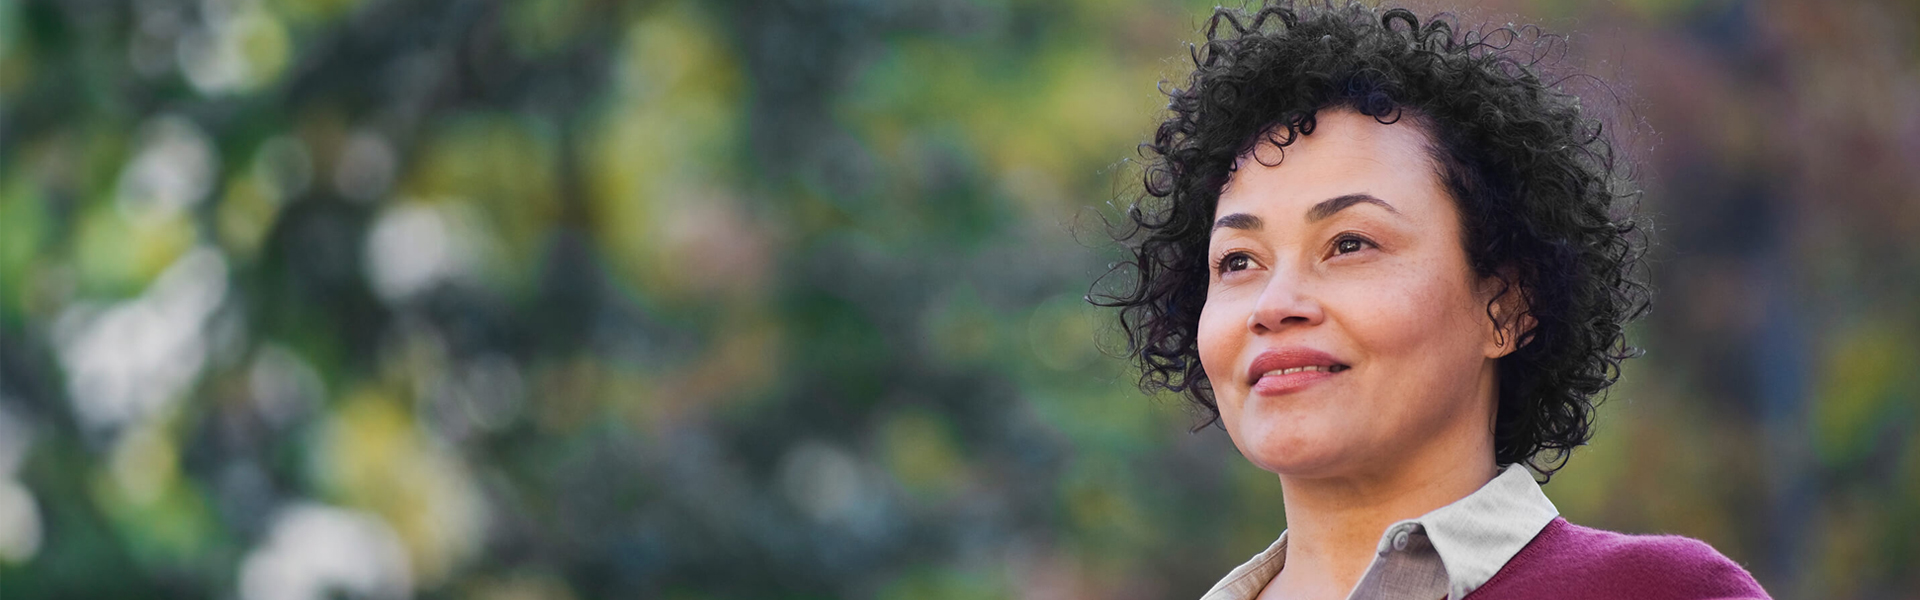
x,y
1275,385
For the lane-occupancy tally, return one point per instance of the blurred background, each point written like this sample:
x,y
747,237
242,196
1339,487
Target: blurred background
x,y
568,299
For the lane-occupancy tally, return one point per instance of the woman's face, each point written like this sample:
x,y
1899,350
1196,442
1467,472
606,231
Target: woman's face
x,y
1343,330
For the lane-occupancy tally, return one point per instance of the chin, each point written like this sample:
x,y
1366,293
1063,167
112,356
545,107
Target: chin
x,y
1293,453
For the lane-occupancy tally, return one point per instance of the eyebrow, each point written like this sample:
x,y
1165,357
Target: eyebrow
x,y
1319,212
1238,221
1326,208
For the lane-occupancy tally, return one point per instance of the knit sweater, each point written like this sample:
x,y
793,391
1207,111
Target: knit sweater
x,y
1570,562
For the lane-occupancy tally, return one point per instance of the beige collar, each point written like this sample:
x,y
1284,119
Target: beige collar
x,y
1473,538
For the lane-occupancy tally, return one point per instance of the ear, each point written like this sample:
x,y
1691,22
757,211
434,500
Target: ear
x,y
1509,317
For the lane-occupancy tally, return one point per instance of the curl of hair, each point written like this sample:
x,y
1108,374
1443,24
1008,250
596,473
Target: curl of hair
x,y
1535,181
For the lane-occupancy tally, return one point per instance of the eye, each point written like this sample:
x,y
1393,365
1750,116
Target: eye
x,y
1350,244
1237,261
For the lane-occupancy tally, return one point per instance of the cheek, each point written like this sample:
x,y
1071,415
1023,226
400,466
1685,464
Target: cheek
x,y
1220,337
1388,316
1421,322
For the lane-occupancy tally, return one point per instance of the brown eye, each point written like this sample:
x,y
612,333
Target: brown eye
x,y
1348,245
1235,262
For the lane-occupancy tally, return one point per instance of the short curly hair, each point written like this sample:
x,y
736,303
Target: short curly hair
x,y
1544,204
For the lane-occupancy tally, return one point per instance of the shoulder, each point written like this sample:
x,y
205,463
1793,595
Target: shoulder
x,y
1606,564
1663,557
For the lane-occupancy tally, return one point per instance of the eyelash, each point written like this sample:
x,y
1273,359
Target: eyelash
x,y
1349,237
1220,266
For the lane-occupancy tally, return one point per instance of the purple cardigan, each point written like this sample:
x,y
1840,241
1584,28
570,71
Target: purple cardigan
x,y
1567,561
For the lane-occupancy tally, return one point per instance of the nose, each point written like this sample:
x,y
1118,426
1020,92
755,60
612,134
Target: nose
x,y
1287,301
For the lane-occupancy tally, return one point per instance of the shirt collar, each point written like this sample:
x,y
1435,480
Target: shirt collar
x,y
1246,580
1478,534
1475,536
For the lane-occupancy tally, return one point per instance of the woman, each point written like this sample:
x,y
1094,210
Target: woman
x,y
1383,255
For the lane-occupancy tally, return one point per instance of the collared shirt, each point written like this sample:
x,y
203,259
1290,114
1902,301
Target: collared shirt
x,y
1445,553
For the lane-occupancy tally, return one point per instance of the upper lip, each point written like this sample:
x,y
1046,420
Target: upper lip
x,y
1287,358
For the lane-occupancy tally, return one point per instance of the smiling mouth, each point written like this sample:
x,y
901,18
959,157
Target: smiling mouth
x,y
1319,368
1288,369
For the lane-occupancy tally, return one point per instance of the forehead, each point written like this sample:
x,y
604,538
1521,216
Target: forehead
x,y
1347,153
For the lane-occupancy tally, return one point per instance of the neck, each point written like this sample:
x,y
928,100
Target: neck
x,y
1334,524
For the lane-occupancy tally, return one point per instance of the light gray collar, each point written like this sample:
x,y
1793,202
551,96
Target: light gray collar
x,y
1478,534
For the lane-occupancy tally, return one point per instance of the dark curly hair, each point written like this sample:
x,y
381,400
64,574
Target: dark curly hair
x,y
1536,183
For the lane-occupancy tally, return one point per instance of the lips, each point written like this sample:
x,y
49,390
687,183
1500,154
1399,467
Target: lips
x,y
1290,369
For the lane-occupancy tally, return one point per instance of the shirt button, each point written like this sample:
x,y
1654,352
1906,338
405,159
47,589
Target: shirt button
x,y
1400,541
